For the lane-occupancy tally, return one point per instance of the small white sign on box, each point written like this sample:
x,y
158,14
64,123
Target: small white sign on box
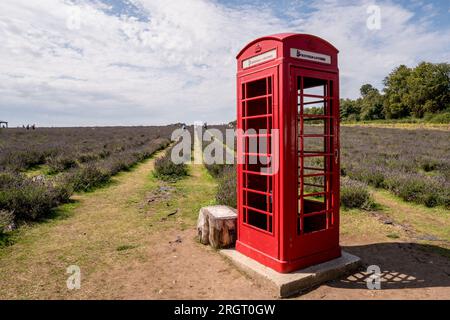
x,y
311,56
260,58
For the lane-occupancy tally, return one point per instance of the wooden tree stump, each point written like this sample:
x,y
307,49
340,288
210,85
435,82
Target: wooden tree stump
x,y
216,225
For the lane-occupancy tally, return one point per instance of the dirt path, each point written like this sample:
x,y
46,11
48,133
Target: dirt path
x,y
135,239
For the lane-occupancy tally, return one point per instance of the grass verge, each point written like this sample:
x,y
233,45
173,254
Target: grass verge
x,y
426,222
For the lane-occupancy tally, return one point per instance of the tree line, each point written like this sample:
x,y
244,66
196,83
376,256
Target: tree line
x,y
422,92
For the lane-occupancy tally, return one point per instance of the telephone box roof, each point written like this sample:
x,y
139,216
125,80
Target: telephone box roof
x,y
284,36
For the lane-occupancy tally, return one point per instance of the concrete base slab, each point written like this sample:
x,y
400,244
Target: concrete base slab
x,y
288,284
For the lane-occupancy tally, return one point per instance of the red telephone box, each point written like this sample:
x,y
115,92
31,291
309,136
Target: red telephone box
x,y
288,217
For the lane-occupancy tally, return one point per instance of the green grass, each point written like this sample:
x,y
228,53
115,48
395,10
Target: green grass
x,y
393,235
427,221
37,171
411,223
125,247
358,225
421,222
44,224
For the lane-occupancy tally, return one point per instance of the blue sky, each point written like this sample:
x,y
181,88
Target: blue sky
x,y
138,62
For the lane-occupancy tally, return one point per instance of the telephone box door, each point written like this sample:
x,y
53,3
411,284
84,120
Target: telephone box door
x,y
314,101
257,204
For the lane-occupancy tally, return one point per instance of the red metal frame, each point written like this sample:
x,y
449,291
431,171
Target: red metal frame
x,y
282,222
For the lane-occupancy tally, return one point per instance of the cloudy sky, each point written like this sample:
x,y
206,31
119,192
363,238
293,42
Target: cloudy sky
x,y
138,62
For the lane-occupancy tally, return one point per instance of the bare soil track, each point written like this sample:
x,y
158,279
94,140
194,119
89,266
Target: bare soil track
x,y
130,248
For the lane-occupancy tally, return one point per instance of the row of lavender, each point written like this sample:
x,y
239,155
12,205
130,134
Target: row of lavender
x,y
41,169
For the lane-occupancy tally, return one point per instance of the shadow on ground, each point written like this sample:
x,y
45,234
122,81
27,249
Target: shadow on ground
x,y
402,265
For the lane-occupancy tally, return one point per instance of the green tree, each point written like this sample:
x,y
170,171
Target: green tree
x,y
350,110
423,90
371,103
367,89
396,91
428,88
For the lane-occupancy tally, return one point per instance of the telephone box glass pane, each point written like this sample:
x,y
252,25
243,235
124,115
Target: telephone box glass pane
x,y
314,141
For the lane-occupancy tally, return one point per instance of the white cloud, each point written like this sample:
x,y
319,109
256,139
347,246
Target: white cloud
x,y
180,65
369,55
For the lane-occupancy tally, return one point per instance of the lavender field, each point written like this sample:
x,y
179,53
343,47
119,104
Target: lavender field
x,y
40,169
59,149
412,164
